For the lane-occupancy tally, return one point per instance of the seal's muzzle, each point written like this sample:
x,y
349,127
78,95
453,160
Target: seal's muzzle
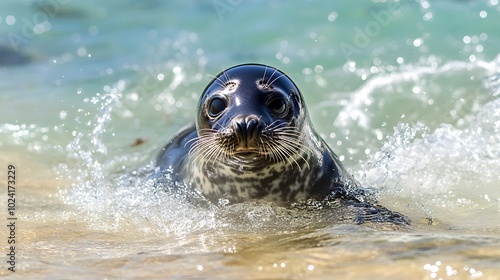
x,y
246,130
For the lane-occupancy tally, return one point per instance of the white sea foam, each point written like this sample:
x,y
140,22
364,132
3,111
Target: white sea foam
x,y
449,173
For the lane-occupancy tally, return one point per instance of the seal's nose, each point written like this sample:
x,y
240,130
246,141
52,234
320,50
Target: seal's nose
x,y
246,129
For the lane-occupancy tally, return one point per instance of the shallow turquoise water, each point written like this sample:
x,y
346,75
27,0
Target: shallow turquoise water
x,y
406,93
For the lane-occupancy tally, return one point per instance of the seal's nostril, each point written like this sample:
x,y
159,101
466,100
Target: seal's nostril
x,y
252,126
246,129
239,128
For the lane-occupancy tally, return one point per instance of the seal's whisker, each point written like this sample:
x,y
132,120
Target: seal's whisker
x,y
217,155
226,74
287,154
218,80
300,156
263,150
268,84
285,127
278,153
195,146
275,79
212,153
289,151
198,151
269,149
219,127
226,142
301,148
292,139
204,147
275,125
202,133
286,143
191,141
264,75
223,77
196,154
288,132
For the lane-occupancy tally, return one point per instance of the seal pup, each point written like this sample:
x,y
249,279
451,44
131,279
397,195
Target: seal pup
x,y
253,139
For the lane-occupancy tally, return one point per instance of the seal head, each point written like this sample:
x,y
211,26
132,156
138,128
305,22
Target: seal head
x,y
250,116
253,139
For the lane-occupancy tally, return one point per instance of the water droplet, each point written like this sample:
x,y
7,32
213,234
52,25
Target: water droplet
x,y
81,52
93,30
10,20
427,16
467,39
417,42
332,16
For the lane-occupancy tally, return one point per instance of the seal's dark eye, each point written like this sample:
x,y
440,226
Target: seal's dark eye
x,y
216,106
277,105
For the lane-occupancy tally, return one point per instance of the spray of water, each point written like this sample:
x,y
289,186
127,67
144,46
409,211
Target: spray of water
x,y
447,174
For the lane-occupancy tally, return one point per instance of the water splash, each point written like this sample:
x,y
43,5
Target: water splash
x,y
91,171
392,80
450,173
